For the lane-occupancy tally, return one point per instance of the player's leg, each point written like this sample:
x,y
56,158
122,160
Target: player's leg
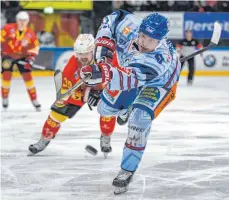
x,y
191,68
60,112
139,125
107,125
7,68
121,100
29,83
114,103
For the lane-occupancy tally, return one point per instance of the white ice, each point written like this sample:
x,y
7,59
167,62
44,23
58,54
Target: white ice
x,y
187,157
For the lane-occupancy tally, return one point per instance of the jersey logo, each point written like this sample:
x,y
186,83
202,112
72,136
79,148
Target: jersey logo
x,y
126,31
193,43
24,43
159,58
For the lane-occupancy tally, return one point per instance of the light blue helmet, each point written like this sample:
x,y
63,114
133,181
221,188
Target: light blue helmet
x,y
155,26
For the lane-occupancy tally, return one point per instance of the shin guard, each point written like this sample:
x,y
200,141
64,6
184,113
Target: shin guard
x,y
138,130
6,82
28,79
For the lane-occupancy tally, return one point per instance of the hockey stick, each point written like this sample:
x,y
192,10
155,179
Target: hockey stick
x,y
33,66
214,42
58,83
73,88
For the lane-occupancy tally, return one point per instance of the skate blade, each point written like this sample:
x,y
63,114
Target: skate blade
x,y
38,109
30,154
105,154
120,190
4,109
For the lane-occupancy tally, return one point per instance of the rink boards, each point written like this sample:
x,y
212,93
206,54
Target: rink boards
x,y
214,62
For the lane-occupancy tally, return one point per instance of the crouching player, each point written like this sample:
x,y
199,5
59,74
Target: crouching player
x,y
62,110
151,67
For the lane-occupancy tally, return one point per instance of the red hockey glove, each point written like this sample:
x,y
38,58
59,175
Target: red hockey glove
x,y
29,62
95,74
104,49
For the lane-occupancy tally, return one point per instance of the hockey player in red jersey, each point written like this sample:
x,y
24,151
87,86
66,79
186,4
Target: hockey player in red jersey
x,y
19,43
62,110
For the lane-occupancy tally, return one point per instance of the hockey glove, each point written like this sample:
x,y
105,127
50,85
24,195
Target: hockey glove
x,y
29,62
94,98
95,74
104,49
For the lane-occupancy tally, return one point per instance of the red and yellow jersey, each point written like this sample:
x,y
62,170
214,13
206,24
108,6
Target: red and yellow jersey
x,y
18,44
70,76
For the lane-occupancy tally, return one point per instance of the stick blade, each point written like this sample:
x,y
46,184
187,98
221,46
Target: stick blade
x,y
216,33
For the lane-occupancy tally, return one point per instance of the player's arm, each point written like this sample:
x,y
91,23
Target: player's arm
x,y
106,37
119,78
179,47
32,51
198,45
3,34
34,47
125,79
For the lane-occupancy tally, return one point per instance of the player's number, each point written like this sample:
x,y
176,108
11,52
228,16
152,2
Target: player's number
x,y
66,83
106,119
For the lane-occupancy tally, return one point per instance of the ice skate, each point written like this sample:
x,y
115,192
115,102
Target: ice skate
x,y
189,82
37,105
39,146
122,181
105,144
5,103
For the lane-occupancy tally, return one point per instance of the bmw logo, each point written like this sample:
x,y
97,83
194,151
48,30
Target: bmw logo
x,y
210,61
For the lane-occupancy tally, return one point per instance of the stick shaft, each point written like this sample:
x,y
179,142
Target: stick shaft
x,y
198,52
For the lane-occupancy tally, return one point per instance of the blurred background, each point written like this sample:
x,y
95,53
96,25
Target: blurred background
x,y
57,24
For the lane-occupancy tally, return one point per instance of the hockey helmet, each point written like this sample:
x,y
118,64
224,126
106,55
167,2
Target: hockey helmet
x,y
22,15
155,26
84,43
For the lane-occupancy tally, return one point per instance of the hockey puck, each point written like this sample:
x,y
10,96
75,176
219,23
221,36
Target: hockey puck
x,y
91,150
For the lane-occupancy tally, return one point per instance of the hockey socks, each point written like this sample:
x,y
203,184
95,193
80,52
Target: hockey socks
x,y
28,79
6,82
138,131
107,125
52,124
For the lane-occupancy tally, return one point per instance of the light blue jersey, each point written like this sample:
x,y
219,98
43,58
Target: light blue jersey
x,y
155,75
159,68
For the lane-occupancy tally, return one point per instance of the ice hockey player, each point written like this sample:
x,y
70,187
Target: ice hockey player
x,y
61,110
150,64
19,43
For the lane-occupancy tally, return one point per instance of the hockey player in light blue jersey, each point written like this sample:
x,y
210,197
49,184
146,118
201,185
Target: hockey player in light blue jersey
x,y
144,84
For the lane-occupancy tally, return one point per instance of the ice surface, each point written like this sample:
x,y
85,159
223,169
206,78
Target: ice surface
x,y
187,157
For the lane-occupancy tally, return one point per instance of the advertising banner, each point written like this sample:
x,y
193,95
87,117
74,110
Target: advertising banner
x,y
51,58
176,22
58,5
202,24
